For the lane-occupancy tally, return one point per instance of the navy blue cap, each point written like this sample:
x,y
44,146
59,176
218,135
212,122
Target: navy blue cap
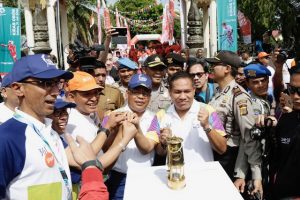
x,y
126,63
60,103
140,80
256,71
7,80
37,66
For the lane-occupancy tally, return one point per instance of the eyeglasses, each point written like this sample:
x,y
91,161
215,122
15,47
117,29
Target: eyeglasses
x,y
62,112
140,92
293,89
46,84
199,74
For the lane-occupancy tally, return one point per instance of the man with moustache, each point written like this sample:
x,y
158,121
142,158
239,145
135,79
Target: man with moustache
x,y
156,69
32,165
140,151
234,106
199,72
126,69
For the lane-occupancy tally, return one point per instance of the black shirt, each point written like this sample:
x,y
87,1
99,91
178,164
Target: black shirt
x,y
287,158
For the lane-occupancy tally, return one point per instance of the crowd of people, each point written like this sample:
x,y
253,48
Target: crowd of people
x,y
73,134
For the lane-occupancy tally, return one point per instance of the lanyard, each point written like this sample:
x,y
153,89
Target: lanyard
x,y
60,168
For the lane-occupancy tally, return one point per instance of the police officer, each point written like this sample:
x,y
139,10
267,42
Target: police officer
x,y
257,79
126,68
233,105
175,63
156,69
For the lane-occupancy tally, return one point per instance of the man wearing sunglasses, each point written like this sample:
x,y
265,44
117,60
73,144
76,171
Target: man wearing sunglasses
x,y
286,162
199,72
31,165
234,107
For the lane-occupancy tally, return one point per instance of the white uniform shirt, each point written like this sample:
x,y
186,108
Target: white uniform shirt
x,y
85,126
196,146
29,168
132,157
5,113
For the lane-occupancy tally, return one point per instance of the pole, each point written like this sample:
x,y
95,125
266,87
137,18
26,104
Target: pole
x,y
183,23
99,22
58,24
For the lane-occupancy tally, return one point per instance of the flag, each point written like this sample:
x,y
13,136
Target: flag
x,y
128,33
245,27
99,22
117,18
107,23
165,25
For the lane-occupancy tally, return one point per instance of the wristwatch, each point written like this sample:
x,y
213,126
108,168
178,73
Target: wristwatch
x,y
95,163
208,130
105,130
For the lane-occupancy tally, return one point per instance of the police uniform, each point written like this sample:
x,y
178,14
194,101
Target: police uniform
x,y
160,98
110,99
234,107
124,63
260,106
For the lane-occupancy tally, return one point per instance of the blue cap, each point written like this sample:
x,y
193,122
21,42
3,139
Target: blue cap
x,y
126,63
256,71
7,80
140,80
37,66
60,103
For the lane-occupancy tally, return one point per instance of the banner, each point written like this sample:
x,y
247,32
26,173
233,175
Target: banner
x,y
227,25
245,27
10,38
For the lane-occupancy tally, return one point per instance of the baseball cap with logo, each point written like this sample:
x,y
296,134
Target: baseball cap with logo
x,y
140,80
37,66
225,57
82,81
153,61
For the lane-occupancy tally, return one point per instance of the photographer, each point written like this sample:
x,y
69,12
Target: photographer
x,y
286,162
257,79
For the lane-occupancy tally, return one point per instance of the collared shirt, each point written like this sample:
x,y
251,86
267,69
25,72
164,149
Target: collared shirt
x,y
110,99
122,88
196,145
132,157
85,126
160,99
28,167
6,113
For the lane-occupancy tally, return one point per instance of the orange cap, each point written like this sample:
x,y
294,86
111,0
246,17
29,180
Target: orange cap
x,y
82,81
262,55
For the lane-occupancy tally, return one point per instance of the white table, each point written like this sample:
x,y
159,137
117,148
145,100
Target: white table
x,y
207,181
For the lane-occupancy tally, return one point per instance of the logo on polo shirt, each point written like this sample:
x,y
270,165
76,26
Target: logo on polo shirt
x,y
49,159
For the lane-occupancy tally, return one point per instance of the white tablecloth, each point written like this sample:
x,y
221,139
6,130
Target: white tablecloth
x,y
207,181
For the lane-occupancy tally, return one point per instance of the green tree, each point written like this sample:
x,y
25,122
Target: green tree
x,y
270,15
155,13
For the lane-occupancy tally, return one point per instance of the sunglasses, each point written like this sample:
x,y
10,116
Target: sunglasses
x,y
293,89
199,74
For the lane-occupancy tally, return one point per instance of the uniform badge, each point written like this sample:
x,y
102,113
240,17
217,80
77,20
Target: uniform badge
x,y
49,159
157,59
170,60
252,73
243,109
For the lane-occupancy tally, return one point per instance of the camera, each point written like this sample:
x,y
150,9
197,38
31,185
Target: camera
x,y
250,188
80,50
259,133
282,56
